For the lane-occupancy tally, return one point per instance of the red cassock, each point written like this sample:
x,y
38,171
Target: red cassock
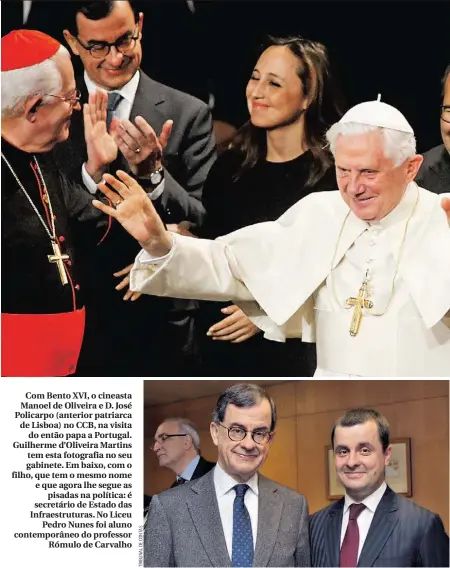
x,y
41,345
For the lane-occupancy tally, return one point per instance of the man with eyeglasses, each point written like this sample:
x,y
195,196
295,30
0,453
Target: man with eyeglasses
x,y
42,304
164,138
177,447
232,516
434,173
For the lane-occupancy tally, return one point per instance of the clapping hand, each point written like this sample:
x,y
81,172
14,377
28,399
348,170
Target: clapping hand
x,y
140,145
100,144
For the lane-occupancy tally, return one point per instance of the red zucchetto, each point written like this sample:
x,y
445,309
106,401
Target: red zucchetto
x,y
24,48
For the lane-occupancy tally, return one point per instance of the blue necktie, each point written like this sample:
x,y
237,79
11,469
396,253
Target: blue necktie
x,y
113,100
242,549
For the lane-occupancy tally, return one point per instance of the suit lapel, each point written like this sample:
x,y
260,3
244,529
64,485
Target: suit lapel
x,y
332,533
148,97
204,511
383,523
270,506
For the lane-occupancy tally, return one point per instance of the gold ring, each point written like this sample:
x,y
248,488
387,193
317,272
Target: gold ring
x,y
118,202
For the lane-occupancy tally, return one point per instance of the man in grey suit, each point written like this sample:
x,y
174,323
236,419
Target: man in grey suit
x,y
177,446
170,159
232,516
372,525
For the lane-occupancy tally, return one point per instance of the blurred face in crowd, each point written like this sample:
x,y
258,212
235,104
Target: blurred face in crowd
x,y
369,182
445,126
359,458
50,121
170,450
242,459
274,92
116,69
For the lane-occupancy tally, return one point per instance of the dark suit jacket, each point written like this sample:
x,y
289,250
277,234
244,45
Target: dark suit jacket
x,y
401,534
189,154
203,467
184,527
434,173
164,325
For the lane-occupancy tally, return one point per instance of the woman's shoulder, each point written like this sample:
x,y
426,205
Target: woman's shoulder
x,y
228,161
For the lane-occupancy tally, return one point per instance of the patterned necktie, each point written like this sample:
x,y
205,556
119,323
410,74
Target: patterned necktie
x,y
180,481
242,548
113,100
350,544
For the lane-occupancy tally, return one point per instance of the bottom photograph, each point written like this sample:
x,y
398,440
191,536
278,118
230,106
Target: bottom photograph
x,y
296,473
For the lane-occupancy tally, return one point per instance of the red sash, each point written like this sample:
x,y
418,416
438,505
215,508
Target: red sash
x,y
41,345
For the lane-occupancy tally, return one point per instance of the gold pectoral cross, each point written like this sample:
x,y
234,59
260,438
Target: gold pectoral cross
x,y
359,303
59,259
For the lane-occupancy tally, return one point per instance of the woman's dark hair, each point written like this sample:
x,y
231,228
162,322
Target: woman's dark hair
x,y
324,109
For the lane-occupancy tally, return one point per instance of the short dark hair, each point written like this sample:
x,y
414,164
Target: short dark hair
x,y
359,416
444,79
93,11
243,395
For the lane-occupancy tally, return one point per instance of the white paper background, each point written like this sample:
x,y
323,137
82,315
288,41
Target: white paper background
x,y
19,495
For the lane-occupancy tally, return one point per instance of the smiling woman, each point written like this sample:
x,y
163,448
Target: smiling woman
x,y
276,158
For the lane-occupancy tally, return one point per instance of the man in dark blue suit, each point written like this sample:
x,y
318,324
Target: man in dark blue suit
x,y
372,525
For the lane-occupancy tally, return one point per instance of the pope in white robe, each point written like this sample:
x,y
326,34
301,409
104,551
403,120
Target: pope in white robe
x,y
363,272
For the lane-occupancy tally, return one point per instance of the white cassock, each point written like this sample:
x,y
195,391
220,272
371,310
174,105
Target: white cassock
x,y
280,273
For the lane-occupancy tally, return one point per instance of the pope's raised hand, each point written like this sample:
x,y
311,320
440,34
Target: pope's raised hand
x,y
446,207
135,212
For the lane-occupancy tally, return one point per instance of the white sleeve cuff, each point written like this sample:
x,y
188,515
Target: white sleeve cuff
x,y
90,184
146,259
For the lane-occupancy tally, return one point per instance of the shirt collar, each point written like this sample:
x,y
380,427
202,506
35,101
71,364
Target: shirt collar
x,y
128,91
188,472
371,502
224,483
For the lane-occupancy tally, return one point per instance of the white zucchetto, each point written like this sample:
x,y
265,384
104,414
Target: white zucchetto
x,y
376,113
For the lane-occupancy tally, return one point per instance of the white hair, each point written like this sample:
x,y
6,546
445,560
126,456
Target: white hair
x,y
398,146
19,85
187,427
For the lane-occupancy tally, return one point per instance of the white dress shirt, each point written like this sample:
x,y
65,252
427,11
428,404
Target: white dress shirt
x,y
225,494
366,516
122,111
188,471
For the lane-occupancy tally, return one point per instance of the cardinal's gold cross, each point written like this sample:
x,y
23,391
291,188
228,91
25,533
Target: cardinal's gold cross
x,y
359,303
59,259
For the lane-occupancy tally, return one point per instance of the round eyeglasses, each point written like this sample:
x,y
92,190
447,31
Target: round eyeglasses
x,y
445,113
161,439
72,99
237,434
101,49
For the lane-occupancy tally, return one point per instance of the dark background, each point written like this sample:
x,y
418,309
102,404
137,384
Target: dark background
x,y
398,48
